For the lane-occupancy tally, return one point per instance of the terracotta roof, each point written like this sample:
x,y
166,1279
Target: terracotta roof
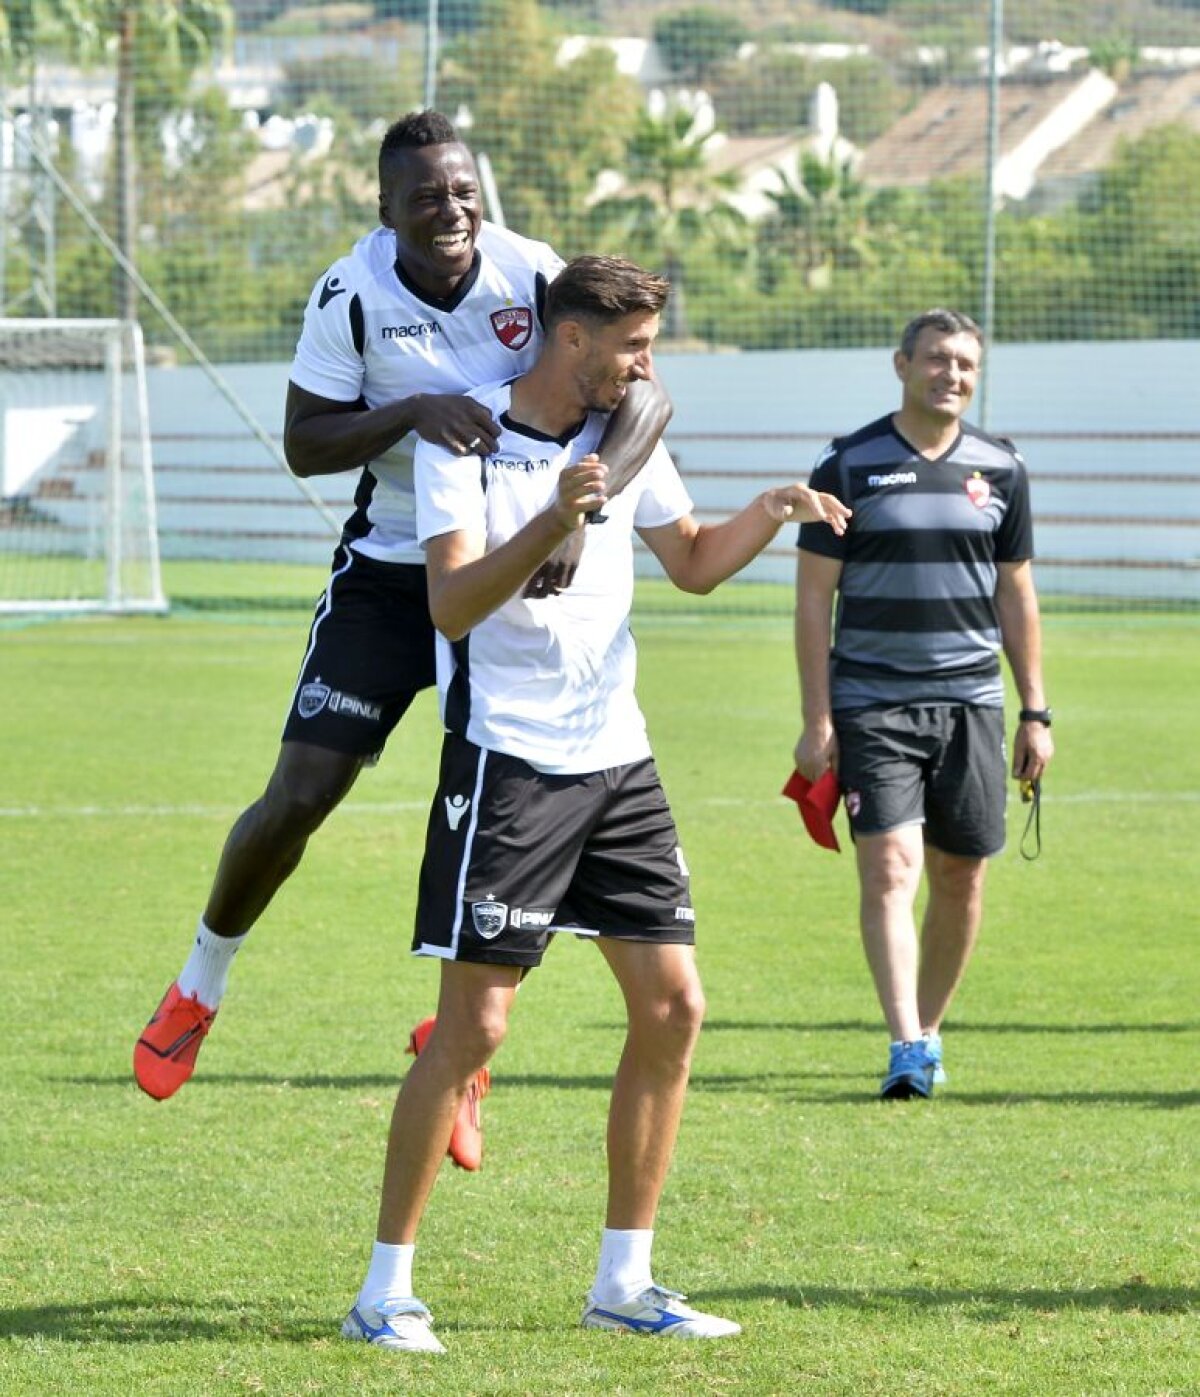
x,y
1143,101
945,134
749,153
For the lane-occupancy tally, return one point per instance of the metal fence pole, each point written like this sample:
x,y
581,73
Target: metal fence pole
x,y
988,290
431,54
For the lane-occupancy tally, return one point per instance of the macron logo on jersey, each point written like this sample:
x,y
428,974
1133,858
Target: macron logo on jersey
x,y
333,287
526,464
407,332
894,478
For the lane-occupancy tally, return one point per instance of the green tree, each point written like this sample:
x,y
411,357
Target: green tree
x,y
158,44
819,223
674,208
772,92
695,43
359,88
548,128
1140,227
454,16
765,94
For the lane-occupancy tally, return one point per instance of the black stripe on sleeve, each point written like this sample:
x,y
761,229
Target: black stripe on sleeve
x,y
358,328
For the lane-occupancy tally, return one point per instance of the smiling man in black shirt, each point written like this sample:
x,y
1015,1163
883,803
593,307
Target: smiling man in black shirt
x,y
901,685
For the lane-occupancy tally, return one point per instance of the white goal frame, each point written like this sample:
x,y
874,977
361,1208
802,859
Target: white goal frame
x,y
124,393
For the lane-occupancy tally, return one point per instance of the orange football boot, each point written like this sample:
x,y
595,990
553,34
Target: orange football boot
x,y
165,1055
466,1140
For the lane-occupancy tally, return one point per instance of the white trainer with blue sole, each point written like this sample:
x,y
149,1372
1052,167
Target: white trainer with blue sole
x,y
656,1311
396,1324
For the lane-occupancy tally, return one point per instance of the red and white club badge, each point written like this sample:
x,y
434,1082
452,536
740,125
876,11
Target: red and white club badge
x,y
513,326
978,491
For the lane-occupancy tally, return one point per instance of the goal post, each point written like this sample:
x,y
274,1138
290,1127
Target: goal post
x,y
78,524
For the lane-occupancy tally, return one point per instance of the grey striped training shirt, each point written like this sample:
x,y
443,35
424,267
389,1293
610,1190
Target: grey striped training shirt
x,y
916,616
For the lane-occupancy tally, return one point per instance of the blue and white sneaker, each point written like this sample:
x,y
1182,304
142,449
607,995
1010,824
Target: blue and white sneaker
x,y
933,1046
395,1324
656,1311
910,1072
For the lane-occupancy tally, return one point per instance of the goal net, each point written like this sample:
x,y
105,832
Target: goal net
x,y
77,513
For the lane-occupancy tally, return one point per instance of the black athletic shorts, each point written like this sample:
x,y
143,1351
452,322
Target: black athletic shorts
x,y
370,652
512,854
942,765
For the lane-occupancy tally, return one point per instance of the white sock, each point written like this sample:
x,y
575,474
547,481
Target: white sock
x,y
389,1276
624,1269
207,970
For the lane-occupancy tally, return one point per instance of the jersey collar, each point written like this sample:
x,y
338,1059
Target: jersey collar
x,y
443,303
920,455
508,421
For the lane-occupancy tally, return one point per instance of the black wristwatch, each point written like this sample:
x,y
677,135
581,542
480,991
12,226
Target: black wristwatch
x,y
1036,715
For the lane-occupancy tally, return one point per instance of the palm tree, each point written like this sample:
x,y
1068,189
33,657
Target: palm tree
x,y
156,44
819,220
672,200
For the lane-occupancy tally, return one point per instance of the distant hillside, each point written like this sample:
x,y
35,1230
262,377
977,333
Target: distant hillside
x,y
887,24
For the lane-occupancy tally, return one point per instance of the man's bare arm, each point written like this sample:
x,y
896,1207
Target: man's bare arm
x,y
324,437
817,579
1021,634
633,431
698,557
466,583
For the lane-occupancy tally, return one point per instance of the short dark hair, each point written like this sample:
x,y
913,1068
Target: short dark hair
x,y
413,130
949,322
605,289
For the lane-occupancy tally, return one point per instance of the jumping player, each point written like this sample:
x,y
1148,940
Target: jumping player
x,y
432,303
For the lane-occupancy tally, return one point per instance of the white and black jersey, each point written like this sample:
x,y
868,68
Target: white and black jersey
x,y
549,680
370,333
916,615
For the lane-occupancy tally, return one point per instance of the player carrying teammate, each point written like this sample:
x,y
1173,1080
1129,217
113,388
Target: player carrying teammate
x,y
549,812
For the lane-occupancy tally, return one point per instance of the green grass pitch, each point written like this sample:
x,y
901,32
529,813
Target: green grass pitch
x,y
1030,1231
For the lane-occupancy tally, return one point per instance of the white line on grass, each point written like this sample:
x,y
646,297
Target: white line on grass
x,y
107,812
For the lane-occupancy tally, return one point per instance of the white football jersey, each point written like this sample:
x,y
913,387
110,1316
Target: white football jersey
x,y
370,333
551,679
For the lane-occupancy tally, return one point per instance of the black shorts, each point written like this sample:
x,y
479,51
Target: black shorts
x,y
941,765
370,652
513,854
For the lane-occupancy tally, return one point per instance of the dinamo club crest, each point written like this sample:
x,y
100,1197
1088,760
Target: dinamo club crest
x,y
489,918
978,491
513,326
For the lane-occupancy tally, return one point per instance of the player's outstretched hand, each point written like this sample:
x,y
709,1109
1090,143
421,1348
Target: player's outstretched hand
x,y
460,424
581,488
806,507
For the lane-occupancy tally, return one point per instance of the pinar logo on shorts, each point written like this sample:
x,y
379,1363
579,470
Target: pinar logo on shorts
x,y
978,490
513,326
